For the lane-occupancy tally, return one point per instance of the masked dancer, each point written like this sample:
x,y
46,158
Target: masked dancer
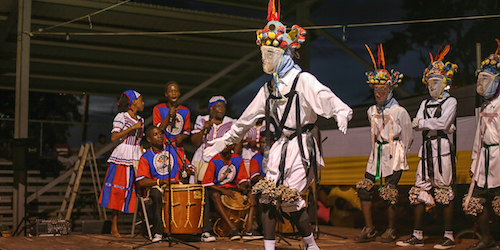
x,y
292,100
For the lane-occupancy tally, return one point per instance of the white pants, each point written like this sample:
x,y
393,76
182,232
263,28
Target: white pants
x,y
295,176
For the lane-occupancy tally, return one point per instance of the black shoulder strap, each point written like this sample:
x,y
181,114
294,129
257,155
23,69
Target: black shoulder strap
x,y
439,108
281,122
426,114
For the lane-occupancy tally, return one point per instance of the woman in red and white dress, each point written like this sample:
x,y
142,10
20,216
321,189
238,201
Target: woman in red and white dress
x,y
118,192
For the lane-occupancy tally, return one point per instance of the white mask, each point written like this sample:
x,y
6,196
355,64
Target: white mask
x,y
484,81
271,57
435,85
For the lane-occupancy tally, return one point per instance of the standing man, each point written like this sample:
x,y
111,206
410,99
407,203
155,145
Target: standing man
x,y
292,99
391,138
175,120
485,168
173,117
436,169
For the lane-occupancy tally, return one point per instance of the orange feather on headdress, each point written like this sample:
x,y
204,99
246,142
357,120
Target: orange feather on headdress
x,y
443,53
371,56
498,48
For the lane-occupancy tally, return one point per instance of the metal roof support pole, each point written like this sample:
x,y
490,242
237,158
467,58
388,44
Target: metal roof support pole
x,y
21,110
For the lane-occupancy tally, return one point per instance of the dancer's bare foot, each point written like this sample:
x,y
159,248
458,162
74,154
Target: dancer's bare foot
x,y
116,234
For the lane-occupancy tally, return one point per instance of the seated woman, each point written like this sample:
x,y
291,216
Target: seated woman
x,y
225,175
153,173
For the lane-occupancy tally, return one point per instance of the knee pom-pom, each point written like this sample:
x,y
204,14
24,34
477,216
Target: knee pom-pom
x,y
475,206
389,193
365,184
365,192
443,195
413,195
496,205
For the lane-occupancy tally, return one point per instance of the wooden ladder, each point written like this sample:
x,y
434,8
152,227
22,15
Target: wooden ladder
x,y
86,156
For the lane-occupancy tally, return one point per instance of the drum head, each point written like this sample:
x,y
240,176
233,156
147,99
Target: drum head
x,y
238,203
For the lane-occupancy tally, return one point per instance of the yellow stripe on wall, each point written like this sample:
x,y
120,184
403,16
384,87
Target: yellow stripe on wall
x,y
349,170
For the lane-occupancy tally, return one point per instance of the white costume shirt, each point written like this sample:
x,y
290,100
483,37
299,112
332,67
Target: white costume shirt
x,y
448,113
129,150
315,99
490,137
217,130
398,126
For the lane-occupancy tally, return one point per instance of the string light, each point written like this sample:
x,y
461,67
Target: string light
x,y
200,32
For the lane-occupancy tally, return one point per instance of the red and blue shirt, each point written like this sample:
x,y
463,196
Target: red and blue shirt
x,y
154,165
225,175
256,166
182,124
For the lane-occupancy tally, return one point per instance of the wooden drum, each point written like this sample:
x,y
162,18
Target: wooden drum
x,y
237,210
187,208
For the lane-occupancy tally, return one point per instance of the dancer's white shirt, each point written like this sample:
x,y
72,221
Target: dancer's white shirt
x,y
315,99
491,136
216,131
401,129
445,122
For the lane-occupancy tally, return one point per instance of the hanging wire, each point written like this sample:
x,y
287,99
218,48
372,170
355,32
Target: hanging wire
x,y
200,32
82,17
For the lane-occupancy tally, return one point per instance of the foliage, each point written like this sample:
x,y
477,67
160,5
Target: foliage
x,y
461,35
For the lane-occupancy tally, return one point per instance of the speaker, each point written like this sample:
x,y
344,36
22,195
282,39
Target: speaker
x,y
26,154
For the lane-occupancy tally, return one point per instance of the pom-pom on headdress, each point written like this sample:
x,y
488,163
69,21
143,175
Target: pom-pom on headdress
x,y
380,76
274,33
437,67
492,63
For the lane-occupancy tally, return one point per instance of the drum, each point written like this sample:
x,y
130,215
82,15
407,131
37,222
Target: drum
x,y
187,208
286,227
237,210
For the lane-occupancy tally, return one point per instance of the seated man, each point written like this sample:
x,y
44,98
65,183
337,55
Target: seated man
x,y
256,171
225,175
153,172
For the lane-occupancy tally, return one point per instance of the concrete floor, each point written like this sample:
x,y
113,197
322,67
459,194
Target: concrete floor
x,y
106,242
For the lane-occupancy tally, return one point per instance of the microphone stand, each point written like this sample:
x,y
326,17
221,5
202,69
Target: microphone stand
x,y
169,237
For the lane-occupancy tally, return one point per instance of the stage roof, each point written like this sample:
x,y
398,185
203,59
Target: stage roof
x,y
108,65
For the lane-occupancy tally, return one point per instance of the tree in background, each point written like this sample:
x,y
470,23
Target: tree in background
x,y
461,35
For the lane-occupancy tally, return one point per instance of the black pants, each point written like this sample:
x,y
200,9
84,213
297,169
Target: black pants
x,y
207,211
392,179
157,198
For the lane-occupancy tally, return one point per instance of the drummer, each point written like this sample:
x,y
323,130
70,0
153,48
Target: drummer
x,y
226,174
153,173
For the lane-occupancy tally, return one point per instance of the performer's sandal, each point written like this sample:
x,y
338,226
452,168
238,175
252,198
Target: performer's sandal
x,y
446,243
412,241
389,235
367,234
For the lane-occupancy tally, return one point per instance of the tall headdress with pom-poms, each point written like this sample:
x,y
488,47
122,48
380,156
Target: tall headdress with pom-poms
x,y
492,63
274,33
380,75
438,67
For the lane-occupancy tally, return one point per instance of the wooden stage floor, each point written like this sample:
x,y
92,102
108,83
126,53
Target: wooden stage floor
x,y
106,242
